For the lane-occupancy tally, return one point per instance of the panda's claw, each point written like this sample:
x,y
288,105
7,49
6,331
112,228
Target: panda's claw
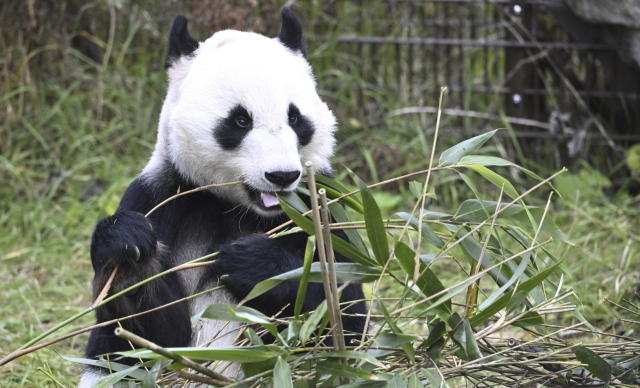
x,y
129,241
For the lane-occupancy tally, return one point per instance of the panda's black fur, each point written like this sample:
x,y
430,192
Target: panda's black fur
x,y
189,225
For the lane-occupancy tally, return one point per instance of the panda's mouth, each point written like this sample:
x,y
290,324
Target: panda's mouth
x,y
269,200
264,199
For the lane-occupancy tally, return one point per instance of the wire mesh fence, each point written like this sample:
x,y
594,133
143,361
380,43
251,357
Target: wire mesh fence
x,y
527,65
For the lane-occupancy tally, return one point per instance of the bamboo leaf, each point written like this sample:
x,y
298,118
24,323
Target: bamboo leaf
x,y
427,233
427,281
408,348
495,179
253,368
304,279
491,161
253,336
352,354
414,381
416,189
250,317
262,287
341,370
294,201
224,353
393,339
150,379
110,380
310,325
595,364
435,379
364,384
374,224
337,185
463,337
138,374
351,252
223,312
354,272
437,331
516,275
473,249
502,302
460,150
300,220
531,318
290,334
516,301
337,211
339,244
282,374
472,211
348,201
473,188
548,226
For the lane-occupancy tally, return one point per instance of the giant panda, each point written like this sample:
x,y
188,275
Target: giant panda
x,y
239,106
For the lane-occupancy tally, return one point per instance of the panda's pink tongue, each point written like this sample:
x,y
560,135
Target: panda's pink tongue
x,y
269,200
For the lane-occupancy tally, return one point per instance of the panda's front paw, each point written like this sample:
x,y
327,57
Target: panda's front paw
x,y
245,263
126,238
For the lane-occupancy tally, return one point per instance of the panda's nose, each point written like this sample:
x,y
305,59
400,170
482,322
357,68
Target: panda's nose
x,y
282,178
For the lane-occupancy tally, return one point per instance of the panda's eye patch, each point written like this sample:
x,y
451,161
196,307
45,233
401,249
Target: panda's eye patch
x,y
230,131
242,121
300,124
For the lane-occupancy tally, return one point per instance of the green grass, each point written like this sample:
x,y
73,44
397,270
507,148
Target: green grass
x,y
56,147
49,160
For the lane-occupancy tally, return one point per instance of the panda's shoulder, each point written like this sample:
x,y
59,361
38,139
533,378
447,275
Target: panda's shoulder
x,y
151,188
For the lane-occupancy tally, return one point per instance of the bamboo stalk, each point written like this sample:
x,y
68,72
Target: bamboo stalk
x,y
112,297
106,287
332,269
423,198
19,353
315,210
201,379
129,336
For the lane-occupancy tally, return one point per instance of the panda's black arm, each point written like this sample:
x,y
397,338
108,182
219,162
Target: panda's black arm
x,y
128,239
252,259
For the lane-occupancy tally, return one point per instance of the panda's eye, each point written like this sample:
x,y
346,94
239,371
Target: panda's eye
x,y
242,121
293,119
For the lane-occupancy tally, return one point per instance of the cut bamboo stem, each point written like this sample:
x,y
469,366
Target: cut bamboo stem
x,y
106,287
332,269
139,341
201,379
315,212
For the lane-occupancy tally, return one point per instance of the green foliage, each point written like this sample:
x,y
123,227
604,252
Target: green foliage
x,y
525,290
588,183
633,157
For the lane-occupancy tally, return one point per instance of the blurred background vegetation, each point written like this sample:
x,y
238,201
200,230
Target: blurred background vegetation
x,y
82,83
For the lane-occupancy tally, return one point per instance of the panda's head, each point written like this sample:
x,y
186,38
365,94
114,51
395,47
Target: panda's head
x,y
241,106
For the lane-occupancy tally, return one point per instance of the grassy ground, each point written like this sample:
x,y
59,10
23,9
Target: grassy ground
x,y
70,145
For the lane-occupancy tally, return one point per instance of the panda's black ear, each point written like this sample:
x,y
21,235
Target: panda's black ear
x,y
180,42
291,32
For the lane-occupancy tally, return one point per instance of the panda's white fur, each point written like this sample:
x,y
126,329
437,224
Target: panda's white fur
x,y
207,81
241,68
